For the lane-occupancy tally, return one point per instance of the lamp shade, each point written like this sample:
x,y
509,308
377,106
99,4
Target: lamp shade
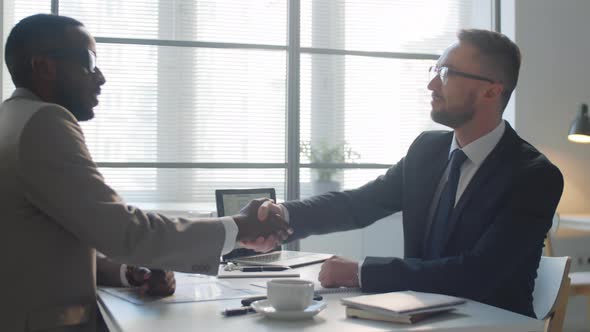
x,y
580,128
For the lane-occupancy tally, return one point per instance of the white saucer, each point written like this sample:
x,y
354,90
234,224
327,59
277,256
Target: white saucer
x,y
264,307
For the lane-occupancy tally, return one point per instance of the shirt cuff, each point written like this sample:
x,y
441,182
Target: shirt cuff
x,y
285,213
123,275
231,234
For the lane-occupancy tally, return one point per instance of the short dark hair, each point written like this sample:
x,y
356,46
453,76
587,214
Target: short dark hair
x,y
500,56
31,36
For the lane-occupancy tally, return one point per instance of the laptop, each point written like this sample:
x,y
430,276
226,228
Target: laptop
x,y
230,202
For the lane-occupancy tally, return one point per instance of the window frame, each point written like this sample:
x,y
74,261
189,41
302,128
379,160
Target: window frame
x,y
292,165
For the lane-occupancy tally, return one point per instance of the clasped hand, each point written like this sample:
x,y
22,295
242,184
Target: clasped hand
x,y
335,272
261,225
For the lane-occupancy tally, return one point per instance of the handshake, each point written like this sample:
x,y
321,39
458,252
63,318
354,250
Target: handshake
x,y
261,225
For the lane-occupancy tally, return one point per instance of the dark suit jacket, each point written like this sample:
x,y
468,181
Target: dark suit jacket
x,y
496,232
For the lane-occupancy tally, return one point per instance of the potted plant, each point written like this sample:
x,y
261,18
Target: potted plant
x,y
323,154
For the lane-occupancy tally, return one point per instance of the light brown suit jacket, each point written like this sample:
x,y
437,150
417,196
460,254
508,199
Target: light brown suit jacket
x,y
55,209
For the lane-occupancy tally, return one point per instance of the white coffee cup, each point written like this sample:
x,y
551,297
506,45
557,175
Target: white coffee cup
x,y
289,294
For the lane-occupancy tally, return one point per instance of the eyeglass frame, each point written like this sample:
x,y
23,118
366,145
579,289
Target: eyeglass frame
x,y
443,72
89,63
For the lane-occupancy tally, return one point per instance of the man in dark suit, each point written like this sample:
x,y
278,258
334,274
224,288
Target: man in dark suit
x,y
477,201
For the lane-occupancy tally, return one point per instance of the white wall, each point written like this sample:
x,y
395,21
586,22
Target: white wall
x,y
554,37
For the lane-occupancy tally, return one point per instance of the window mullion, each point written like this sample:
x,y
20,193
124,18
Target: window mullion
x,y
55,7
293,77
293,109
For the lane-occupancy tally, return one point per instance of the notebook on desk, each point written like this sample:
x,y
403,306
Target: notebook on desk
x,y
229,202
353,312
400,306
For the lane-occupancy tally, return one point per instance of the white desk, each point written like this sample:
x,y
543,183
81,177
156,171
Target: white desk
x,y
575,221
186,210
121,315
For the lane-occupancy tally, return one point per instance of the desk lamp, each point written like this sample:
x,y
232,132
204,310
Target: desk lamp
x,y
580,128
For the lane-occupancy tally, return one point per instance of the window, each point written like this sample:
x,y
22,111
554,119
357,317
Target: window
x,y
202,95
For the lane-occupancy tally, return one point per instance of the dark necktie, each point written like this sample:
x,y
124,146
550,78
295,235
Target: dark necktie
x,y
440,223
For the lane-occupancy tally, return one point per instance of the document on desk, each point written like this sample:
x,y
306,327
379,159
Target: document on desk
x,y
289,273
319,290
189,288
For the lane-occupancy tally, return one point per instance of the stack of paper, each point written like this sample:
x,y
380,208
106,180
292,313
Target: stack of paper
x,y
400,307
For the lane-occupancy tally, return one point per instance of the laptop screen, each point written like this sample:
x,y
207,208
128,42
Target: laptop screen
x,y
231,201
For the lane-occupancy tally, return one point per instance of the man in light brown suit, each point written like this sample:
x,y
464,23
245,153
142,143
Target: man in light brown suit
x,y
55,207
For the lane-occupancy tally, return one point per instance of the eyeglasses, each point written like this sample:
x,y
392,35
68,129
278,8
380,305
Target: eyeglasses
x,y
444,73
87,58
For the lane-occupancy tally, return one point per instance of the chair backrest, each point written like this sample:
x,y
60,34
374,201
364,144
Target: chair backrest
x,y
551,291
549,238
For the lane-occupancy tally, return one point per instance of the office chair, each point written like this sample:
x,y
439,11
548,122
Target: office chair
x,y
551,291
579,281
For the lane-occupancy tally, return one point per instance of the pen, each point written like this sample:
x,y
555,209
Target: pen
x,y
237,311
262,268
247,301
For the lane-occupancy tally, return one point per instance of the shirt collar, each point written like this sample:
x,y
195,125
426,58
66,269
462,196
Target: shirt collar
x,y
478,150
24,93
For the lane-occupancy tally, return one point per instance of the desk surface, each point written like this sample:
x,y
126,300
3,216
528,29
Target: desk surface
x,y
121,315
189,210
579,222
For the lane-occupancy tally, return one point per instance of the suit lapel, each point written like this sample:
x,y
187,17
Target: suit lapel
x,y
480,177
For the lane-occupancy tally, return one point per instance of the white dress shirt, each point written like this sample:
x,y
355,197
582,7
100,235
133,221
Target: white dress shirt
x,y
476,152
